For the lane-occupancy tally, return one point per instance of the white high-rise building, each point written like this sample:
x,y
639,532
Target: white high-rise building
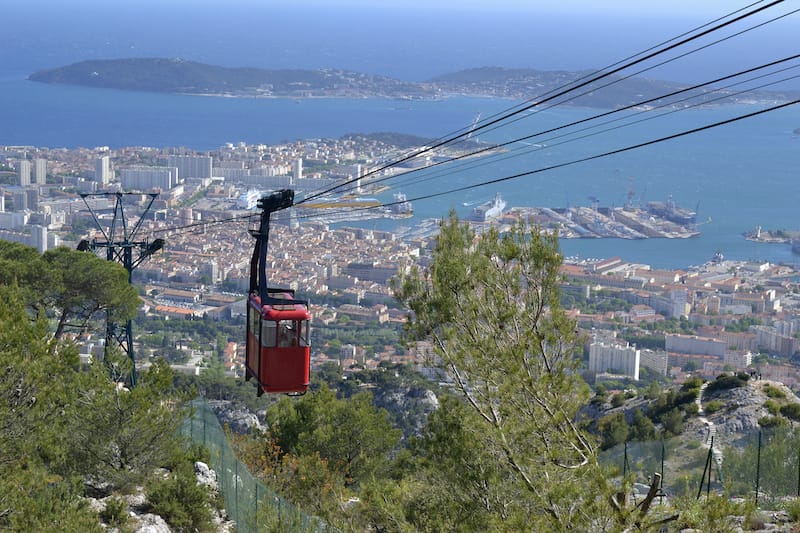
x,y
615,359
24,173
102,170
191,166
40,171
143,178
297,170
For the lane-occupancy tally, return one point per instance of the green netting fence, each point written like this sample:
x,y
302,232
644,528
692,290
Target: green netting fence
x,y
761,465
249,503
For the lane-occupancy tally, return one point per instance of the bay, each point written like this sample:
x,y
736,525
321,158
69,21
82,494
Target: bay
x,y
738,176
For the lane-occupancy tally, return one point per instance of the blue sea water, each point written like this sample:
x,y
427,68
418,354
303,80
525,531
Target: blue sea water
x,y
739,176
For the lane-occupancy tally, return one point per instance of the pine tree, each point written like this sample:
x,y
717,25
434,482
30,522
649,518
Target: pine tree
x,y
489,305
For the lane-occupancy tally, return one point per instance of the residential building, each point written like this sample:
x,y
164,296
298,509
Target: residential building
x,y
40,171
24,173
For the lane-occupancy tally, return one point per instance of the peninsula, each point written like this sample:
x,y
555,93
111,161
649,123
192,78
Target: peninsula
x,y
181,76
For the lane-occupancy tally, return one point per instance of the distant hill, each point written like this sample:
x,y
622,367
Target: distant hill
x,y
181,76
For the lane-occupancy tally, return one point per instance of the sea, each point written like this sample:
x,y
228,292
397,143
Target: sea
x,y
737,176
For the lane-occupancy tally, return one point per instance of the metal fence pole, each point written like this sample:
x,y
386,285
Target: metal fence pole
x,y
707,467
661,483
625,461
256,502
710,467
758,467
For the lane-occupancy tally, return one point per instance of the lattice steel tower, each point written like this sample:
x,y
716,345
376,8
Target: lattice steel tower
x,y
120,245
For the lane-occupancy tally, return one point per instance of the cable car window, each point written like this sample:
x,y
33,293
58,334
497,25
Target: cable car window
x,y
287,334
253,315
303,333
268,333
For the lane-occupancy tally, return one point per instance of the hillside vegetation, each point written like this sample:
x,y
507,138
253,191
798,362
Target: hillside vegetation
x,y
69,434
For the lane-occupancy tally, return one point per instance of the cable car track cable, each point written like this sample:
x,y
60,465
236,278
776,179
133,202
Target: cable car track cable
x,y
595,117
592,157
562,92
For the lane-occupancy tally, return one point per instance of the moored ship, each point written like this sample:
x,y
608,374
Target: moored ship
x,y
401,208
670,211
489,211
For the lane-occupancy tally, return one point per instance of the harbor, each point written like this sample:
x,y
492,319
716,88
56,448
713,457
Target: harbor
x,y
605,222
658,220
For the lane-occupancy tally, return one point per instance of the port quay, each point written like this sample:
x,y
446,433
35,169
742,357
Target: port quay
x,y
657,220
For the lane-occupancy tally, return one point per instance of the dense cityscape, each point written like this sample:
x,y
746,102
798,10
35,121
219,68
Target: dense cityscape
x,y
202,210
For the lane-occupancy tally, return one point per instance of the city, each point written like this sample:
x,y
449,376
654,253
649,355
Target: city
x,y
202,212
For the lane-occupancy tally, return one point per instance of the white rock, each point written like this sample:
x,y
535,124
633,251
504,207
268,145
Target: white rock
x,y
205,476
151,523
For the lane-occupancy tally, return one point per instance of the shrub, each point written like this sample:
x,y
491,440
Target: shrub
x,y
773,407
791,411
773,392
617,400
793,508
772,421
692,383
181,501
713,406
726,381
116,512
713,514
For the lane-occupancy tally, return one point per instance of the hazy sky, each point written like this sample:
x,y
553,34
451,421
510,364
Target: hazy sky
x,y
409,39
640,7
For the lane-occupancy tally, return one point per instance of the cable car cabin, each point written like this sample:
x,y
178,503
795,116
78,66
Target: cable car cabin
x,y
278,352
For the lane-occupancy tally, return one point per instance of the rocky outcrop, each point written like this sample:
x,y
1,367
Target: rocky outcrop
x,y
151,523
409,406
136,507
742,407
206,476
237,418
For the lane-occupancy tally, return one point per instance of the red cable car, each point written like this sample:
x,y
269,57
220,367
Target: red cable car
x,y
278,352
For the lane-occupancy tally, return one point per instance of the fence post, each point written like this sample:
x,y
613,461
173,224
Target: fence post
x,y
257,528
625,462
758,467
707,467
661,483
710,466
236,486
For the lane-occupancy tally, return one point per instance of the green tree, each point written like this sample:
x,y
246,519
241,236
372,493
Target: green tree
x,y
351,435
84,285
642,428
119,435
673,422
36,377
23,267
449,478
613,430
490,307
